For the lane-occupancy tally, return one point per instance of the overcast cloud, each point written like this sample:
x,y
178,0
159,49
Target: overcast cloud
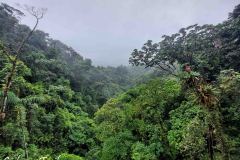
x,y
108,30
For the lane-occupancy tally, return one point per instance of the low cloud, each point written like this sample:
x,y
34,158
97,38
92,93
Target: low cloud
x,y
108,30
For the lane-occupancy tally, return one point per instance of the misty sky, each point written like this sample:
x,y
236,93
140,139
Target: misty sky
x,y
108,30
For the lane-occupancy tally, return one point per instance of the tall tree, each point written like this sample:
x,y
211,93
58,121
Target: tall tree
x,y
14,55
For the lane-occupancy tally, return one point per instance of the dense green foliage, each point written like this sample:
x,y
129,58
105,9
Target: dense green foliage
x,y
62,107
54,93
162,120
133,125
50,60
208,48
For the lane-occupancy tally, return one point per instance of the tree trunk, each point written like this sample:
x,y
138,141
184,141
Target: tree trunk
x,y
210,143
10,76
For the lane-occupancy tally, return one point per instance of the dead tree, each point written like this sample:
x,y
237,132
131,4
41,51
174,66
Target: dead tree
x,y
37,14
13,58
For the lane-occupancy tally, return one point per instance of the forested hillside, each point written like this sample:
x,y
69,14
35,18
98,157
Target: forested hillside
x,y
54,91
60,106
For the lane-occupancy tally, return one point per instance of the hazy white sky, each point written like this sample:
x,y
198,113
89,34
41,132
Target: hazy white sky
x,y
108,30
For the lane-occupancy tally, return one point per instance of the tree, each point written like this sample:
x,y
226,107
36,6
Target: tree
x,y
235,13
136,122
208,49
149,57
37,14
13,57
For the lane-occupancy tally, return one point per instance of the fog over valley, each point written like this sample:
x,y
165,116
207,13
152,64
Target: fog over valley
x,y
106,31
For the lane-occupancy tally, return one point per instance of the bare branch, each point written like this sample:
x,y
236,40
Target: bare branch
x,y
38,14
167,70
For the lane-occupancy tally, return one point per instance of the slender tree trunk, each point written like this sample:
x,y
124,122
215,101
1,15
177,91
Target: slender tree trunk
x,y
217,134
25,145
221,139
24,138
210,143
215,131
7,86
10,76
